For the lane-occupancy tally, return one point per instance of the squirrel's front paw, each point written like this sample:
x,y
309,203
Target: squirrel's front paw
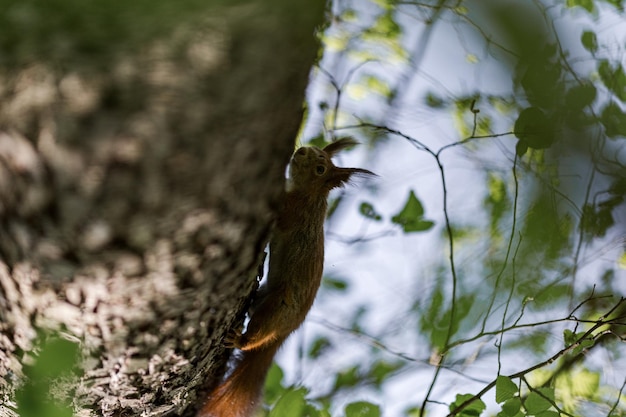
x,y
233,339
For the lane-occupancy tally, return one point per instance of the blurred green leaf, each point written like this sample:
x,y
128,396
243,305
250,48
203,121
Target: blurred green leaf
x,y
333,203
428,319
542,82
535,342
434,101
570,337
614,120
80,33
438,324
521,148
318,347
362,409
368,211
349,15
589,41
411,217
585,4
533,127
613,78
318,141
57,358
336,284
496,201
552,294
596,221
291,404
412,411
359,314
575,386
580,96
347,378
547,234
274,384
386,25
382,369
376,85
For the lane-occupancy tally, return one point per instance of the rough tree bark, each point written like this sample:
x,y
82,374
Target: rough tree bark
x,y
142,153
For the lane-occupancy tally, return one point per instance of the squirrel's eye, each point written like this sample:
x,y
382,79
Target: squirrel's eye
x,y
320,169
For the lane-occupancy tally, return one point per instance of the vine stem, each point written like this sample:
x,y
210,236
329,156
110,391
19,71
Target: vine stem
x,y
454,283
598,323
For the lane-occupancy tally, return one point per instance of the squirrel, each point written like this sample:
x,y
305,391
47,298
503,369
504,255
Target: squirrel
x,y
295,272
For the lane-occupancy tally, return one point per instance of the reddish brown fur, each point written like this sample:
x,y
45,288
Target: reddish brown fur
x,y
295,272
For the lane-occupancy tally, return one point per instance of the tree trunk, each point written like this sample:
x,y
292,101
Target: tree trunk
x,y
142,155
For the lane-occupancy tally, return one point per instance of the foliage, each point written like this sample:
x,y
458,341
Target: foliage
x,y
56,359
74,32
545,197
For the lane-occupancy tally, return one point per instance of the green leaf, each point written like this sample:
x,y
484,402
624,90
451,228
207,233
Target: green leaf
x,y
387,26
569,337
318,141
274,384
362,409
583,345
536,403
434,101
376,85
542,82
613,78
585,4
575,386
413,411
589,41
496,201
503,414
533,127
318,347
505,389
429,319
57,358
368,210
614,120
336,284
548,413
292,404
475,408
511,407
381,370
411,217
347,378
580,96
349,15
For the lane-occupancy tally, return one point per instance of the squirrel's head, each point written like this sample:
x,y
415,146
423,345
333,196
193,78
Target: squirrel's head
x,y
312,170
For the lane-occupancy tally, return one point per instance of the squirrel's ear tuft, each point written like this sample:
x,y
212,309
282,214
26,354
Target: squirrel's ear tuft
x,y
342,176
334,147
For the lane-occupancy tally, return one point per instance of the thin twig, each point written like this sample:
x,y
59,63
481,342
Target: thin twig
x,y
618,400
599,323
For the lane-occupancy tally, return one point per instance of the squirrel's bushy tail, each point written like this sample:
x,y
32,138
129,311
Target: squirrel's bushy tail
x,y
240,394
